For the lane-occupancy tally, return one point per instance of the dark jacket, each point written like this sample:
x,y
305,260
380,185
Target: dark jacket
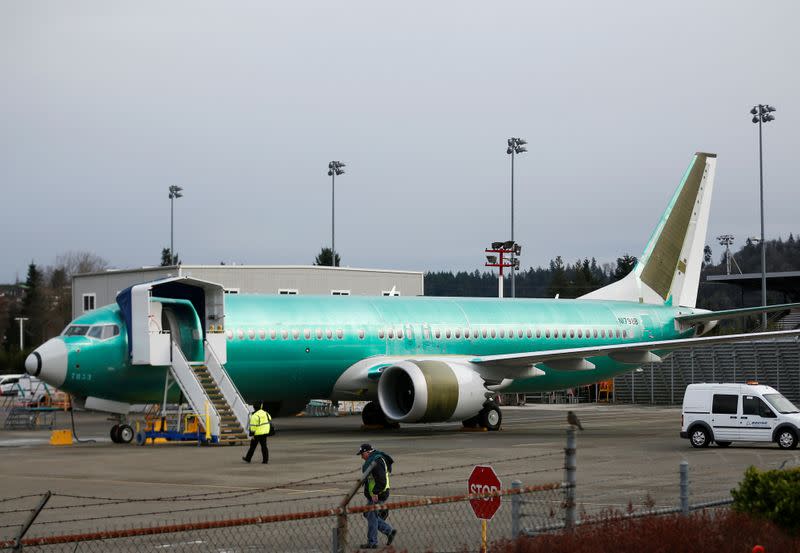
x,y
378,474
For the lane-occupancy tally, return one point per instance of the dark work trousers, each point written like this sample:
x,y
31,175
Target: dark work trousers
x,y
262,439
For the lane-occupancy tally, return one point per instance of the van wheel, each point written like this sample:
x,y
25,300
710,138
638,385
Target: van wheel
x,y
787,439
723,444
699,437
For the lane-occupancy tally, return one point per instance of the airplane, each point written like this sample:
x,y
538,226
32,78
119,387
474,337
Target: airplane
x,y
415,359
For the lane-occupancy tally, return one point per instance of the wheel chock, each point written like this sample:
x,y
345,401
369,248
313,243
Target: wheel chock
x,y
61,437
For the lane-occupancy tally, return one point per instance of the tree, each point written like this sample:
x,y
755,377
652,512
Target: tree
x,y
558,278
324,258
625,265
167,260
34,306
75,263
707,255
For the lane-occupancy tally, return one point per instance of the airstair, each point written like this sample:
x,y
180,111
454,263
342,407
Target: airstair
x,y
212,396
179,323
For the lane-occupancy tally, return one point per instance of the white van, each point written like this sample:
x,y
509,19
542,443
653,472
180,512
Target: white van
x,y
8,384
725,413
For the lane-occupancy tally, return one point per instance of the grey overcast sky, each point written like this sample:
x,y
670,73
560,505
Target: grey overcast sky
x,y
103,105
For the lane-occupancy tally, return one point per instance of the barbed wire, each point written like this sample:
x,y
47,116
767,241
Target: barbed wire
x,y
228,494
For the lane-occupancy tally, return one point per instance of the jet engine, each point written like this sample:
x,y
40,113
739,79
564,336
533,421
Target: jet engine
x,y
430,391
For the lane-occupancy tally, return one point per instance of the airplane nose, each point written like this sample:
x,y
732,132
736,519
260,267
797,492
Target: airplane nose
x,y
49,362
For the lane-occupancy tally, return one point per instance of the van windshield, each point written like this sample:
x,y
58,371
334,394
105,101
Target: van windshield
x,y
781,404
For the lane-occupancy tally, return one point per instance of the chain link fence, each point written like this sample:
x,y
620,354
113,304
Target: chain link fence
x,y
426,509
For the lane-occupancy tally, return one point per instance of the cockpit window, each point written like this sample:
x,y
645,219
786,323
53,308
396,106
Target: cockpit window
x,y
99,332
109,331
76,330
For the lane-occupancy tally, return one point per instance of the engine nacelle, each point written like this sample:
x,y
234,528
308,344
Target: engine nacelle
x,y
430,391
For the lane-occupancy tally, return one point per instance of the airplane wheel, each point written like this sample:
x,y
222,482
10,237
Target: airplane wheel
x,y
372,414
490,417
125,434
114,434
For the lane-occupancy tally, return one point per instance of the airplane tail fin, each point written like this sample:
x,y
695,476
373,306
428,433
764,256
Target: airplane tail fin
x,y
668,272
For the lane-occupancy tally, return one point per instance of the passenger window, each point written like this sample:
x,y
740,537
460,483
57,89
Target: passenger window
x,y
725,404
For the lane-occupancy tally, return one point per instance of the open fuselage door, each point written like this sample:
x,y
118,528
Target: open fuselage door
x,y
180,323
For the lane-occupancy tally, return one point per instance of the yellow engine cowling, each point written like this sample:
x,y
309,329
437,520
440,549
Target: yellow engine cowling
x,y
431,391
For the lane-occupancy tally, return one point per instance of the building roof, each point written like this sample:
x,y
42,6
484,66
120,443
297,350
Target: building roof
x,y
787,282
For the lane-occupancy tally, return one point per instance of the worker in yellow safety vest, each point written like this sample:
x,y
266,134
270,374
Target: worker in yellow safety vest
x,y
376,490
259,429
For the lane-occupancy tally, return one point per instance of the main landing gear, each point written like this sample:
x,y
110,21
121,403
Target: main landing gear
x,y
490,418
373,415
121,434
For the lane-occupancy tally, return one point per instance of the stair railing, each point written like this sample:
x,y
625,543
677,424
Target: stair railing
x,y
227,388
191,387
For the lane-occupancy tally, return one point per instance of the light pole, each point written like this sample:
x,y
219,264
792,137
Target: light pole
x,y
762,113
334,168
21,334
174,192
515,146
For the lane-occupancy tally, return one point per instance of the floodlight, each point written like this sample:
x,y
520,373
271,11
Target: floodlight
x,y
754,111
508,244
517,249
491,258
497,245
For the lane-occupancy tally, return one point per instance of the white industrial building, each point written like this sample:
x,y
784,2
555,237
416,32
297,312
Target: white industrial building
x,y
92,290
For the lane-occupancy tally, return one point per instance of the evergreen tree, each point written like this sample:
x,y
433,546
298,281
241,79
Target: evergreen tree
x,y
625,265
323,259
558,278
167,259
34,307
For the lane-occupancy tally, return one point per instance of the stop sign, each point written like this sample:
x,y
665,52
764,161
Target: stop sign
x,y
484,480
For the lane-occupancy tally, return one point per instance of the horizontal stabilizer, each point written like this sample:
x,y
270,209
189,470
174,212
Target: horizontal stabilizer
x,y
735,313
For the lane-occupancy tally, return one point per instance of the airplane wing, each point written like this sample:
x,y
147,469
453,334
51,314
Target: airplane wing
x,y
636,353
735,313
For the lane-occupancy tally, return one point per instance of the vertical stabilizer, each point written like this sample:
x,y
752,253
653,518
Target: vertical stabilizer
x,y
669,269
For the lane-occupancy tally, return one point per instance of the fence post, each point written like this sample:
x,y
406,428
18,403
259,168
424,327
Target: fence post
x,y
684,487
340,531
516,507
570,480
34,513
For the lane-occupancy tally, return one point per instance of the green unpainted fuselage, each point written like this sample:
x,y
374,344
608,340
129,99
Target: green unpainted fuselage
x,y
294,348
